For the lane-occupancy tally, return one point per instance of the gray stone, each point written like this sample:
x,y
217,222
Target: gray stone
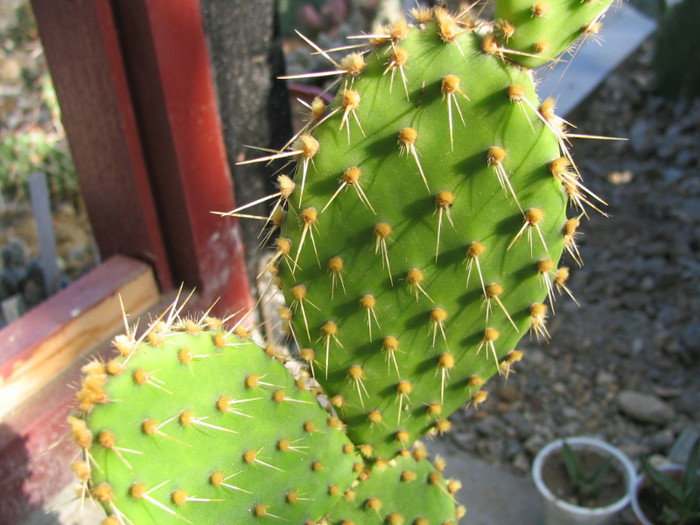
x,y
521,463
465,439
605,379
559,388
661,441
489,426
570,413
646,408
516,420
511,448
534,444
691,338
648,283
643,137
509,393
535,356
685,158
688,403
667,151
632,448
672,174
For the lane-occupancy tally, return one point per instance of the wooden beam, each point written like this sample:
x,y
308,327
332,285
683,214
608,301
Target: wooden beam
x,y
140,110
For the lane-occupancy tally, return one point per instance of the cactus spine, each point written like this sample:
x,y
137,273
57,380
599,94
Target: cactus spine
x,y
420,238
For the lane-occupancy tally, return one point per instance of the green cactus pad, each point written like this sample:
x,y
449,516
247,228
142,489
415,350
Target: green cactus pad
x,y
429,179
405,490
539,30
203,427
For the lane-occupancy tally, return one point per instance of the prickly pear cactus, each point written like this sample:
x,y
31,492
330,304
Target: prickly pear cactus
x,y
419,240
424,227
200,426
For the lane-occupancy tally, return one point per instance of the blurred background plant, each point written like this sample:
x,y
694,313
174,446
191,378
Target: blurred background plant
x,y
31,135
677,59
32,140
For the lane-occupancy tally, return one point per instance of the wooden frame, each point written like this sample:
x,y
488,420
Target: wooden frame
x,y
139,107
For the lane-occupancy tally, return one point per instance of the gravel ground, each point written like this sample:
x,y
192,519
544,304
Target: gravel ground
x,y
625,365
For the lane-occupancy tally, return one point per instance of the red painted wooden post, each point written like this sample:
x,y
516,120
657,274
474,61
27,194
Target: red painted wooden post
x,y
167,57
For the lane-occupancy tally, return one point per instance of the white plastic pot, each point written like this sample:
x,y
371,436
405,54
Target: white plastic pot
x,y
640,482
559,512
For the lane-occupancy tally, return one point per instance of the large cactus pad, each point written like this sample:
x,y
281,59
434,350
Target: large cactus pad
x,y
427,219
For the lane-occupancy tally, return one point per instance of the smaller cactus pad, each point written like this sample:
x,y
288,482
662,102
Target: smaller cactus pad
x,y
406,490
539,30
200,426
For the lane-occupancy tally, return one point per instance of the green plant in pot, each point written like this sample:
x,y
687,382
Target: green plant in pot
x,y
586,478
670,494
419,240
678,74
583,481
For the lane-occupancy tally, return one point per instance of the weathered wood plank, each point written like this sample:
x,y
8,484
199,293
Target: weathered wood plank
x,y
40,364
45,340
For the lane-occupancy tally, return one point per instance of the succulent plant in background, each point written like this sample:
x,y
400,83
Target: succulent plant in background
x,y
419,240
671,496
587,485
678,74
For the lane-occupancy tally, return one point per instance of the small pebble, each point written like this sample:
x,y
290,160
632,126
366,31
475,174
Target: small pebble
x,y
645,408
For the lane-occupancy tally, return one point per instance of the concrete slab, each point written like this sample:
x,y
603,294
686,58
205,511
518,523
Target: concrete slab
x,y
491,495
569,83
